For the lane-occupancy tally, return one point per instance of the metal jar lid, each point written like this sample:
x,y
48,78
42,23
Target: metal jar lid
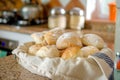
x,y
76,11
57,11
118,54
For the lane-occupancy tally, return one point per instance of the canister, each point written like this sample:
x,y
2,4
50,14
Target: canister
x,y
77,18
57,18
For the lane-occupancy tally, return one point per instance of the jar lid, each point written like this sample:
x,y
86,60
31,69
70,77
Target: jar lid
x,y
118,54
57,11
76,11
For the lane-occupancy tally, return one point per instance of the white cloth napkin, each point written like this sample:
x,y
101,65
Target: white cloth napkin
x,y
96,67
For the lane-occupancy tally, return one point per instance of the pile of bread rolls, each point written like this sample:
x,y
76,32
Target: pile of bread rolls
x,y
65,44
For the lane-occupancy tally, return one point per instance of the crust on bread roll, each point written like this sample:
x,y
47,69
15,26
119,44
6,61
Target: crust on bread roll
x,y
93,40
48,51
52,35
88,50
70,52
68,39
38,37
34,48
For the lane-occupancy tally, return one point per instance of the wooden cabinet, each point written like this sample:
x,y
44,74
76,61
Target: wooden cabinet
x,y
10,4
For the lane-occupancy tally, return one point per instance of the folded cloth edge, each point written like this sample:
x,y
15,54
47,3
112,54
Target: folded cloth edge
x,y
105,59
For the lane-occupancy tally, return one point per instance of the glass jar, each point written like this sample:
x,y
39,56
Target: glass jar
x,y
117,67
117,61
57,18
77,18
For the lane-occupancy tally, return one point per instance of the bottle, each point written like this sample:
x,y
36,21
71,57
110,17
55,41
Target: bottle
x,y
112,11
57,18
77,18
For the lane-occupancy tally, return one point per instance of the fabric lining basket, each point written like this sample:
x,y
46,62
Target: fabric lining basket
x,y
96,67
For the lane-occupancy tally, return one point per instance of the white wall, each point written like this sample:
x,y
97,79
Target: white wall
x,y
97,9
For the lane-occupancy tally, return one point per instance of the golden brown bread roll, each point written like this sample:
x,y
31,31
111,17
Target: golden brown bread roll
x,y
34,48
48,51
70,52
66,44
68,39
88,50
93,40
52,35
38,37
61,51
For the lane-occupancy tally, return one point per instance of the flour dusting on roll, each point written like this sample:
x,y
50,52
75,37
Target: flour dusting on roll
x,y
87,50
52,35
93,40
34,48
38,37
48,51
68,39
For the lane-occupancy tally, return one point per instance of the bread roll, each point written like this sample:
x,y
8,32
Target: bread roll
x,y
48,51
68,39
70,52
38,37
34,48
61,51
93,40
52,35
88,50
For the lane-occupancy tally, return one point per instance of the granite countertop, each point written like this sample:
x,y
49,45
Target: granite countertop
x,y
11,70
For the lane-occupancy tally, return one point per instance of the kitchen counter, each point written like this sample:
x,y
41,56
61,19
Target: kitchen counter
x,y
108,35
11,70
24,29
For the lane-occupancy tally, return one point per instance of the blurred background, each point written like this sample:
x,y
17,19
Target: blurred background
x,y
94,9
